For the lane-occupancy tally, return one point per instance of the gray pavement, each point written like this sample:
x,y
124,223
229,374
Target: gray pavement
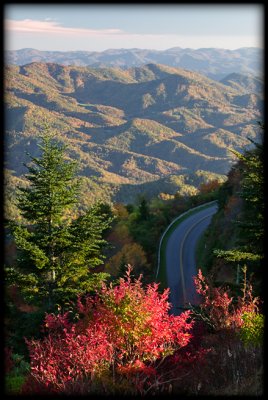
x,y
181,258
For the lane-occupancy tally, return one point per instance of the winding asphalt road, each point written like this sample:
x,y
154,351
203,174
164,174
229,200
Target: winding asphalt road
x,y
181,258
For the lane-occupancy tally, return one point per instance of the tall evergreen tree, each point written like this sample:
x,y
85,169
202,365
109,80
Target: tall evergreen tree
x,y
249,245
58,246
143,209
251,225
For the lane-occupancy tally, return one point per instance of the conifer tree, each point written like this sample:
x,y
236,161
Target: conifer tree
x,y
58,246
143,209
251,225
249,245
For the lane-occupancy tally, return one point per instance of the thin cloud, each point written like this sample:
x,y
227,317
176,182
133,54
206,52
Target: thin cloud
x,y
36,26
25,32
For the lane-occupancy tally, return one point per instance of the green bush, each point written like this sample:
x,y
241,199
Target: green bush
x,y
14,383
252,329
15,379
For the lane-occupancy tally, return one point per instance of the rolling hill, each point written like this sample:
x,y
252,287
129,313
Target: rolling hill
x,y
142,129
212,62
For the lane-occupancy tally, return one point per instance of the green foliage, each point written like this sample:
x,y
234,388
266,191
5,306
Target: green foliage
x,y
15,378
236,255
22,324
143,210
251,225
58,245
20,365
52,190
252,330
236,235
145,226
13,384
135,236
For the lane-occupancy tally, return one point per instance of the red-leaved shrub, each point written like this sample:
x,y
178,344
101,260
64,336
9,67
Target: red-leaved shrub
x,y
114,346
218,308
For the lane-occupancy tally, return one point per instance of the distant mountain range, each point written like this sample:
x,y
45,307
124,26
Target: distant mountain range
x,y
149,129
212,62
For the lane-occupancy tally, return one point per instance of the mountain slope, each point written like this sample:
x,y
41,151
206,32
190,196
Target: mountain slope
x,y
213,62
249,83
129,127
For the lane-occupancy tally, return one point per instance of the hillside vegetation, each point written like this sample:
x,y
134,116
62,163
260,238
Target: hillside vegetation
x,y
235,238
154,124
79,320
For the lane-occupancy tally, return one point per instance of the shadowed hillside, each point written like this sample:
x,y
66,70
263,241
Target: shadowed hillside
x,y
134,126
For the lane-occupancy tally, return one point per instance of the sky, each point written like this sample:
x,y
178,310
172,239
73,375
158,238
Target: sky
x,y
92,27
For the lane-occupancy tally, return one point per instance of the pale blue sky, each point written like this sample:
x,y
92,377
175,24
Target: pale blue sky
x,y
154,26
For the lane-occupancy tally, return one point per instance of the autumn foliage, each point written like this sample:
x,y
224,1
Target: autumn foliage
x,y
115,344
209,186
218,308
123,340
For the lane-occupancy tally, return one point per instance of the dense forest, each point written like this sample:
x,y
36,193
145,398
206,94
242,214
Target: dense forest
x,y
83,313
150,129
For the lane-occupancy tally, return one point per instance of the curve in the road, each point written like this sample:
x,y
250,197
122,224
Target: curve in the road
x,y
180,257
181,253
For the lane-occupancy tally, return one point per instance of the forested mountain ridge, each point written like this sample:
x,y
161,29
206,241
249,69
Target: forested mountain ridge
x,y
246,82
213,62
156,130
131,127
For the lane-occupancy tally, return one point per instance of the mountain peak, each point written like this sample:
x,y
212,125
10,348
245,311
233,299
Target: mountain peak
x,y
215,63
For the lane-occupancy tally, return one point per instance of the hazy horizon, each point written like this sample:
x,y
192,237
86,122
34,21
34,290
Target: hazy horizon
x,y
99,28
137,48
